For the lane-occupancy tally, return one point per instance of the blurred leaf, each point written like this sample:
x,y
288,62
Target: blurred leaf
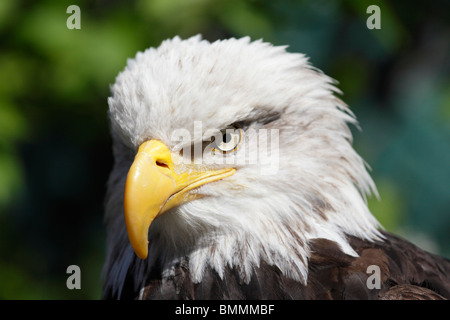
x,y
11,178
176,17
242,19
12,128
15,73
354,77
8,9
12,124
389,210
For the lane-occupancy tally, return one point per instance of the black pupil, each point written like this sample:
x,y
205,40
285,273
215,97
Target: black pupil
x,y
226,138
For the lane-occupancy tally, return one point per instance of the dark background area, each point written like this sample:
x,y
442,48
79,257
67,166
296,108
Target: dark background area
x,y
55,148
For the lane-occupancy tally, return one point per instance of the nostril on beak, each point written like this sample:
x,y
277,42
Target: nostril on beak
x,y
162,164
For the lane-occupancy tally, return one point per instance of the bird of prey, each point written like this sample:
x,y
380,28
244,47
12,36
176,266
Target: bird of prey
x,y
234,177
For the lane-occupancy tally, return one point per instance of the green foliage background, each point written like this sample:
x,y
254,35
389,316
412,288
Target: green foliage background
x,y
55,152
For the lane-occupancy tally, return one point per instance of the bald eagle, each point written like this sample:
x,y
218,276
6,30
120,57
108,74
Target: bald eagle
x,y
235,178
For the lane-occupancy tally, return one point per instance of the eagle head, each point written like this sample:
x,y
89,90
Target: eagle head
x,y
228,154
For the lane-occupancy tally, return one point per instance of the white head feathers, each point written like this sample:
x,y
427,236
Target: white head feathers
x,y
320,184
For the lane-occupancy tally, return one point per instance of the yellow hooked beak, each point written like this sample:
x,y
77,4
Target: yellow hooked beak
x,y
153,187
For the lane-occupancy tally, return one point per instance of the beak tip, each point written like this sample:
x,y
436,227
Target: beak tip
x,y
143,257
142,253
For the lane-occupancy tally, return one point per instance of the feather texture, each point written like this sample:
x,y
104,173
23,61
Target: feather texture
x,y
407,273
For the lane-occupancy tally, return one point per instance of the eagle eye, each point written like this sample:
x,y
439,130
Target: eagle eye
x,y
228,140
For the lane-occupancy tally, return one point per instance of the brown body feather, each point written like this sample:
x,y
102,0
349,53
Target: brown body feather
x,y
406,272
